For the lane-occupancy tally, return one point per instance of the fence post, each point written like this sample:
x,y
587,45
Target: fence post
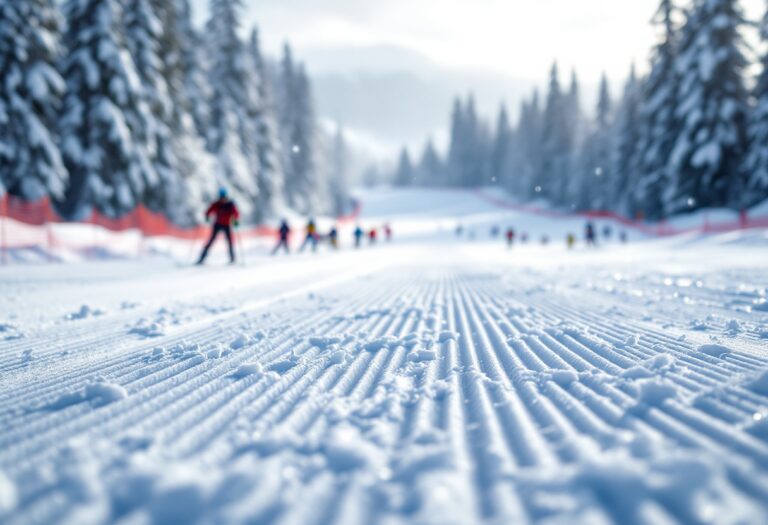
x,y
3,220
95,230
140,230
49,231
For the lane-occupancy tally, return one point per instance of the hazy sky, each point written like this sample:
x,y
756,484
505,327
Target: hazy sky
x,y
412,57
519,37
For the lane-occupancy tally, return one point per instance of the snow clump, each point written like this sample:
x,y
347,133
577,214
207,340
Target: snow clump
x,y
714,350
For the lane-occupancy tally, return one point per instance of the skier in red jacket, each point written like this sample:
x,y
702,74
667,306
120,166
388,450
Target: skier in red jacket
x,y
510,237
225,216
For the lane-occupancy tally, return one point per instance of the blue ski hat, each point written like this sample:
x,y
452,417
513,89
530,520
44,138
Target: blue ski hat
x,y
222,192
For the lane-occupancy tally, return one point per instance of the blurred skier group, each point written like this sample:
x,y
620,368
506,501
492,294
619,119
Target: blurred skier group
x,y
225,216
511,236
313,237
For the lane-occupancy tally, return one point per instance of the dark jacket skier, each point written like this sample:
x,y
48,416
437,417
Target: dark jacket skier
x,y
284,234
589,234
225,215
333,238
312,236
623,237
359,234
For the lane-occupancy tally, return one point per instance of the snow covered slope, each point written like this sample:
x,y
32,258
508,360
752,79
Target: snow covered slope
x,y
419,382
429,214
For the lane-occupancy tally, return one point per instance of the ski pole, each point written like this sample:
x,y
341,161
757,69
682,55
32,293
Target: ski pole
x,y
192,246
239,241
195,243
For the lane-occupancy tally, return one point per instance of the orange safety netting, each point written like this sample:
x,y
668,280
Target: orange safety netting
x,y
152,224
148,223
660,229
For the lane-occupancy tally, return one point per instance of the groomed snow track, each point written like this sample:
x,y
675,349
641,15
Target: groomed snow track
x,y
425,394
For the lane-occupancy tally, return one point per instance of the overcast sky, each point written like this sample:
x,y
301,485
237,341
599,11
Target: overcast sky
x,y
519,37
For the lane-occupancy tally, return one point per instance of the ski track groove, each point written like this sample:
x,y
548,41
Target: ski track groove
x,y
532,384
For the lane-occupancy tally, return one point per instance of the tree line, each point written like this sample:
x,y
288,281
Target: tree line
x,y
114,103
690,134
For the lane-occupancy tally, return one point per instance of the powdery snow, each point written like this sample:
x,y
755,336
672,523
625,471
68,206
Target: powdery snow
x,y
8,496
760,385
427,381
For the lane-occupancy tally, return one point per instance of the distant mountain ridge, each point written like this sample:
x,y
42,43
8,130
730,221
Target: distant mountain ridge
x,y
399,96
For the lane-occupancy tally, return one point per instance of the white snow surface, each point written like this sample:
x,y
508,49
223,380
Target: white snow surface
x,y
432,380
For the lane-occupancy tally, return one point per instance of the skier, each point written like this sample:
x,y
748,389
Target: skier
x,y
225,215
589,234
524,238
388,232
359,233
570,241
495,231
284,232
623,237
510,237
333,238
607,232
311,237
544,240
459,230
372,235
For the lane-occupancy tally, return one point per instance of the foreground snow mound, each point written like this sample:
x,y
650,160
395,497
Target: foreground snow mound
x,y
670,486
8,495
246,370
346,449
97,394
714,350
760,385
84,312
653,392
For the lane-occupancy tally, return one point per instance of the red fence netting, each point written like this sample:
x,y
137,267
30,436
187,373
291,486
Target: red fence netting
x,y
660,229
152,224
146,222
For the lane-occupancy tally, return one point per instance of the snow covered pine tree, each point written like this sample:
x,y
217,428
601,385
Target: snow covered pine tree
x,y
105,143
31,166
708,154
232,134
306,191
623,160
405,174
271,175
658,124
756,165
144,35
591,189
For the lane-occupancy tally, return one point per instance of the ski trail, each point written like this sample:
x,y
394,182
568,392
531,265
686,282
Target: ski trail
x,y
433,394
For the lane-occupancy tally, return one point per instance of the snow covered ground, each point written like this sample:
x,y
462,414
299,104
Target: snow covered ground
x,y
433,380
